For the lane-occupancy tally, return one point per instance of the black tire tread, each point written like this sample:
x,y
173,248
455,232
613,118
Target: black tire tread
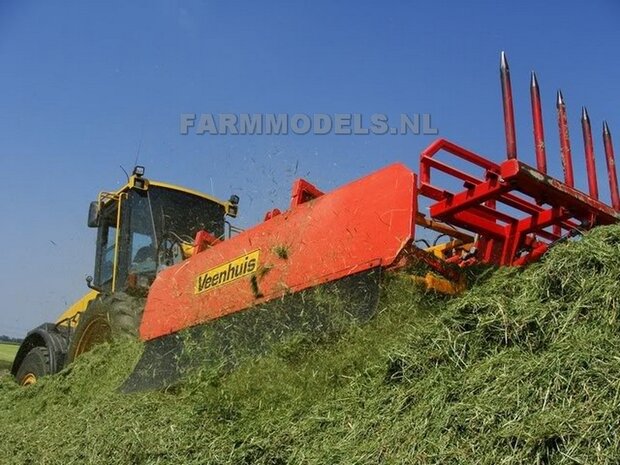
x,y
121,313
37,362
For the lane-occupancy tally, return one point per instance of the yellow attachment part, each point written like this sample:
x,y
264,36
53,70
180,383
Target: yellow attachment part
x,y
440,284
440,250
188,250
442,228
76,308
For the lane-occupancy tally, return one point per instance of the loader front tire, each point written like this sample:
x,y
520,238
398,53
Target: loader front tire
x,y
108,317
35,365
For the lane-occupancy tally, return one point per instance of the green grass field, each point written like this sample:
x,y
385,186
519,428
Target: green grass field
x,y
7,353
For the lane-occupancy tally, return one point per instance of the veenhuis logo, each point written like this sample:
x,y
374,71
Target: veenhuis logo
x,y
227,272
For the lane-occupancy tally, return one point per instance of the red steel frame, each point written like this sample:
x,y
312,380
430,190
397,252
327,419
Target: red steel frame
x,y
547,206
517,211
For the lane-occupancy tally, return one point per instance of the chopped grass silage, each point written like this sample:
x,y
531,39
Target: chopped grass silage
x,y
522,369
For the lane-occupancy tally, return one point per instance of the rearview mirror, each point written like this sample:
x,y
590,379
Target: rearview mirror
x,y
93,215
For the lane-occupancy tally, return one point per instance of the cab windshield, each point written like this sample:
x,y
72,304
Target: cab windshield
x,y
184,214
147,219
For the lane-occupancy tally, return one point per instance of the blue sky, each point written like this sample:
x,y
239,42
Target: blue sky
x,y
89,86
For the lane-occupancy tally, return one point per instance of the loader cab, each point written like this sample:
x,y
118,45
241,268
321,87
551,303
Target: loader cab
x,y
145,222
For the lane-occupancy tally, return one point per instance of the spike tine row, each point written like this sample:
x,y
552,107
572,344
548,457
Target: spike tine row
x,y
567,159
509,117
565,147
611,167
539,131
589,151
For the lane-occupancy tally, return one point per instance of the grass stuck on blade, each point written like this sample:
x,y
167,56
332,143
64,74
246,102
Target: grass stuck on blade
x,y
524,368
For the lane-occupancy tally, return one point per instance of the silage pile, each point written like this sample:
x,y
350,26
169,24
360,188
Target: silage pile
x,y
524,368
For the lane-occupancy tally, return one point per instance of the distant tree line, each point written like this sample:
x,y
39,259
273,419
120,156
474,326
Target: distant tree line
x,y
13,340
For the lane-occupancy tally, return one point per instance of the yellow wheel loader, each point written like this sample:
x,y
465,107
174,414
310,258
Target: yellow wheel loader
x,y
143,226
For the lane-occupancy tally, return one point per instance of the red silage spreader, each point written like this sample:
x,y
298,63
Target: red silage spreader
x,y
505,214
